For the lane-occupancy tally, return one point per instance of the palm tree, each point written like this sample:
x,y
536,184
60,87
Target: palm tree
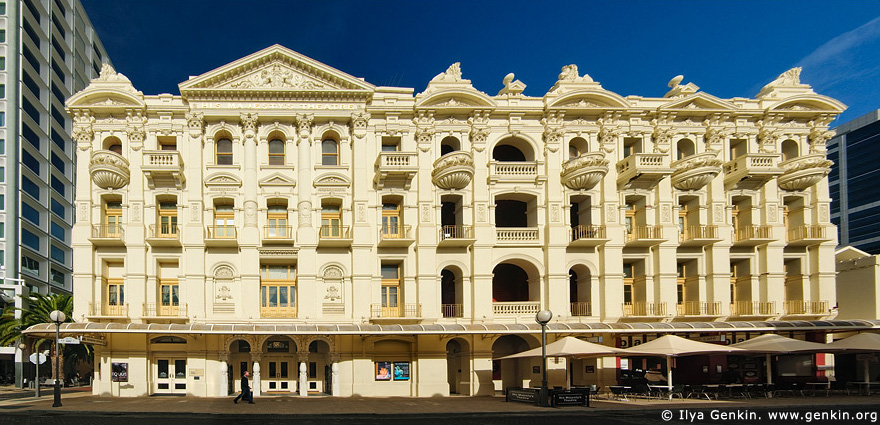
x,y
38,308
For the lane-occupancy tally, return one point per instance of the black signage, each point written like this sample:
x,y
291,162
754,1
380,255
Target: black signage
x,y
525,395
570,398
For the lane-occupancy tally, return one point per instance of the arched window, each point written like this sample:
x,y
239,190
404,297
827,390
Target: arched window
x,y
789,150
685,148
113,144
276,152
329,152
224,152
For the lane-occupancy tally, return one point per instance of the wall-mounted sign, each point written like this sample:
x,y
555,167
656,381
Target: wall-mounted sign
x,y
119,372
401,371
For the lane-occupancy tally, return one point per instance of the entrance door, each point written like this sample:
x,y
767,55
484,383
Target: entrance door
x,y
278,379
171,376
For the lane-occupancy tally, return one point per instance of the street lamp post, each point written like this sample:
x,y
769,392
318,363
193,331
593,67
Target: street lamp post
x,y
58,318
543,317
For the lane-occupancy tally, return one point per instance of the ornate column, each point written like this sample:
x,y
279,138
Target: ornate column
x,y
303,373
334,375
255,385
249,130
304,178
224,374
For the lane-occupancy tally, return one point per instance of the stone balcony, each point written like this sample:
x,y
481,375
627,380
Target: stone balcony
x,y
278,234
396,169
163,235
399,236
109,170
163,169
751,171
171,312
456,235
804,171
107,312
584,235
644,309
753,309
753,235
699,235
515,172
581,308
454,170
334,236
806,308
221,235
585,171
107,235
396,313
696,171
807,235
643,170
644,236
699,309
517,236
516,308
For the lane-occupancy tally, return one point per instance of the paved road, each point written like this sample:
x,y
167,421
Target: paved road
x,y
579,416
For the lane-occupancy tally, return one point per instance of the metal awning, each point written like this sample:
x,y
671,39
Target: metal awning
x,y
48,329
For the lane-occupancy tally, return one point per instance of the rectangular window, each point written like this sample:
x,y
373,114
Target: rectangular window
x,y
30,161
331,222
2,91
57,162
2,63
32,137
112,220
56,253
30,265
2,146
57,231
391,221
58,186
2,36
59,116
58,209
169,297
276,222
57,277
30,187
391,290
2,174
167,220
31,111
30,213
30,240
114,297
2,118
59,140
224,222
329,152
3,8
277,290
2,229
2,202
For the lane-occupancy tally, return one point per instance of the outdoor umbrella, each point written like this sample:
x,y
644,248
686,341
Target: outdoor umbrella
x,y
777,344
674,346
568,347
865,342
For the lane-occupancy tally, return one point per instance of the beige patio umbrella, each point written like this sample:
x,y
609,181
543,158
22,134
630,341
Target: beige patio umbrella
x,y
675,346
777,344
866,342
569,347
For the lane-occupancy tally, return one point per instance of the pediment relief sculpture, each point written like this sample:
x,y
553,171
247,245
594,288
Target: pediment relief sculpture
x,y
277,180
222,180
278,76
332,180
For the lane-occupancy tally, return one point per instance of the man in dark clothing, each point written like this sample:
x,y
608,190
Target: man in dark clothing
x,y
246,393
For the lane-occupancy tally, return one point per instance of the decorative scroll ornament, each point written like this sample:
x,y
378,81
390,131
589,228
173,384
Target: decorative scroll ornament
x,y
479,133
767,137
452,74
818,137
304,124
553,130
82,129
196,123
249,123
715,136
359,122
607,135
662,137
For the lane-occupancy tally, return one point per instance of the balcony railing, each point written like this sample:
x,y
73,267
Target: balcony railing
x,y
222,231
452,310
587,232
335,232
581,309
108,231
395,232
165,231
516,308
699,308
751,171
171,311
397,168
378,311
515,169
456,232
119,310
753,233
278,232
644,309
163,164
643,170
753,308
806,307
807,235
645,234
277,312
516,234
699,232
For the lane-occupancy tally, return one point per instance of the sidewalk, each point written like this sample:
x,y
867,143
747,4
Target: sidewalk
x,y
79,401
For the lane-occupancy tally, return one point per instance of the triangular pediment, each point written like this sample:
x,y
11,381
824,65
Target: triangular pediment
x,y
277,179
275,69
700,100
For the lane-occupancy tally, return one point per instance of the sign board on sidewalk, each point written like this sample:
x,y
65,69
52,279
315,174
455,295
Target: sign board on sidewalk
x,y
68,340
33,358
93,340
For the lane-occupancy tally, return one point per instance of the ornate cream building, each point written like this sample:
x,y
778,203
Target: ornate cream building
x,y
287,218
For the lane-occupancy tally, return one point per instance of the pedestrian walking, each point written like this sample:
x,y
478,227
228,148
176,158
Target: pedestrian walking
x,y
246,393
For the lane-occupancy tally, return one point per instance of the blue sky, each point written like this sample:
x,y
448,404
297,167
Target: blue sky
x,y
728,48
